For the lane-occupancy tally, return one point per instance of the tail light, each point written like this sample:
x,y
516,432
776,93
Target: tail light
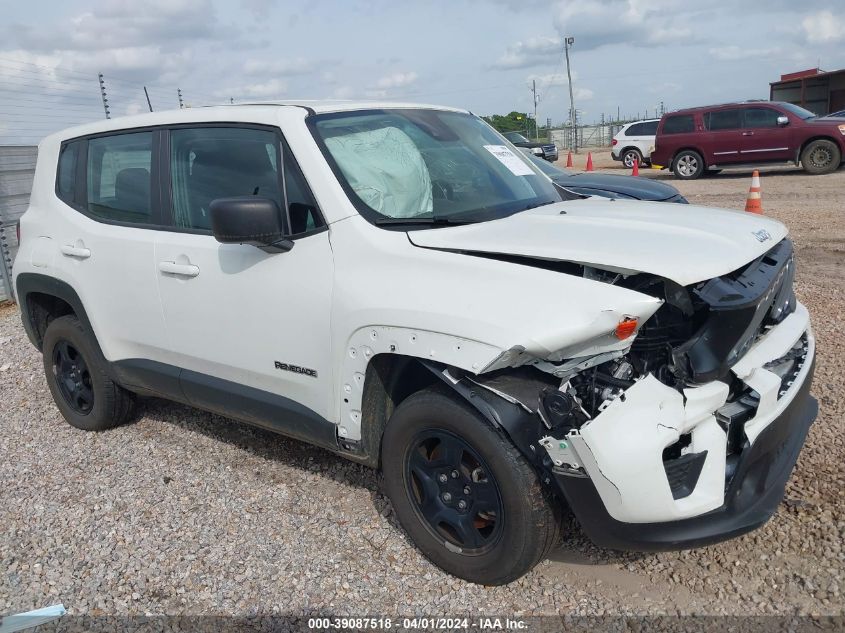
x,y
613,142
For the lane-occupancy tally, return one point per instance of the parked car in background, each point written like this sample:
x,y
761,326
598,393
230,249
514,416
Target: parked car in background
x,y
591,183
546,150
835,115
634,142
694,140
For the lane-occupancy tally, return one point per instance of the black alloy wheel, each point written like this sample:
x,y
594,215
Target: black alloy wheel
x,y
73,377
454,491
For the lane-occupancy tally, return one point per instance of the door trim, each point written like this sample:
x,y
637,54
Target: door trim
x,y
241,402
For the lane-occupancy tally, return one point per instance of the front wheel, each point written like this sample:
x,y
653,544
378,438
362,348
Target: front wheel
x,y
463,493
688,165
821,157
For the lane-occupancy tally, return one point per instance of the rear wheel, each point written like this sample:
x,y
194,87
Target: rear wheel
x,y
463,493
821,157
688,165
85,395
631,157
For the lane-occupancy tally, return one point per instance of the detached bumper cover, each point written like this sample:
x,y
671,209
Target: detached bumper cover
x,y
752,497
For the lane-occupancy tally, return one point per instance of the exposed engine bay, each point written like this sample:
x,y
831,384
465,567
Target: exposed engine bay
x,y
682,363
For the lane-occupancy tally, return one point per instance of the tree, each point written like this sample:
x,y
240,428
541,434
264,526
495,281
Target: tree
x,y
512,122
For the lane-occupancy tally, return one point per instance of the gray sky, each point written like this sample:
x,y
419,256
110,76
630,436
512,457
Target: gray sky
x,y
482,55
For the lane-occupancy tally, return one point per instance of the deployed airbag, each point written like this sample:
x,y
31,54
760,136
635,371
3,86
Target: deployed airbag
x,y
386,170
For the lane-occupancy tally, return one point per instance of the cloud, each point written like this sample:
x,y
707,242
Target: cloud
x,y
261,90
279,67
397,80
534,51
645,23
734,52
823,27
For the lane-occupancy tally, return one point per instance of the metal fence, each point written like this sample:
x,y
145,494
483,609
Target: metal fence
x,y
598,135
17,168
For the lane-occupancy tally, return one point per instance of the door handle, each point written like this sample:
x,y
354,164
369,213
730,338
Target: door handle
x,y
748,133
184,270
75,251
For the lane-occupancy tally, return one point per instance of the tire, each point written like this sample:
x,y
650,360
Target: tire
x,y
821,157
85,395
688,165
630,156
435,444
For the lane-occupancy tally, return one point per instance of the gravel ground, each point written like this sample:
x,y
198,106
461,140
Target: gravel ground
x,y
183,512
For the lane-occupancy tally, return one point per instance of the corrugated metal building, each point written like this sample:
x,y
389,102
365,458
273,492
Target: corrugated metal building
x,y
816,90
17,168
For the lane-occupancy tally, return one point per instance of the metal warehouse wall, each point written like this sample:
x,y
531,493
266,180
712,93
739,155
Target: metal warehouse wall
x,y
17,167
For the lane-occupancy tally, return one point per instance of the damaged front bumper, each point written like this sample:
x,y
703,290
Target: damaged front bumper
x,y
614,472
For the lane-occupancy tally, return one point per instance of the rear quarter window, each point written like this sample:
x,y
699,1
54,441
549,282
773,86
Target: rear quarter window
x,y
678,124
66,172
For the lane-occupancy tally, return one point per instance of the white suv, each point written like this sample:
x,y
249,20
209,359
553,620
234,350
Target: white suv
x,y
634,142
401,286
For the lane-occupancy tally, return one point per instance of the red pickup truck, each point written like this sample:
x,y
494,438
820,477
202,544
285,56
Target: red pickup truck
x,y
695,140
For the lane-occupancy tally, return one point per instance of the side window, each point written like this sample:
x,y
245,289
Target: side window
x,y
760,117
723,120
650,128
678,124
66,172
302,207
220,162
118,177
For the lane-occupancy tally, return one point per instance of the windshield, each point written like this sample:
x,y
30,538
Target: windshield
x,y
516,137
428,166
797,110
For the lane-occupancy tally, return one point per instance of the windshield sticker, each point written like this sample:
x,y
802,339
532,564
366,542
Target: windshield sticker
x,y
514,163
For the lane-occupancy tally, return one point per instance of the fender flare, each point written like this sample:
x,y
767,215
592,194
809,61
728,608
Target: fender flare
x,y
28,283
524,429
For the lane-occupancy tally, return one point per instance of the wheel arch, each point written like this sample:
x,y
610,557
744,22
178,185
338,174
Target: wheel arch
x,y
43,298
689,148
822,137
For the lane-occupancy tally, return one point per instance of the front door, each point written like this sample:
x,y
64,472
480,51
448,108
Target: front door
x,y
257,320
762,138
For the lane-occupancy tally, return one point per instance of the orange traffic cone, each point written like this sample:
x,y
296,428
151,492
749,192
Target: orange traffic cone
x,y
636,170
569,159
590,161
754,202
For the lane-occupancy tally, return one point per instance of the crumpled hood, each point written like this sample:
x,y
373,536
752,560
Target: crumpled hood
x,y
684,243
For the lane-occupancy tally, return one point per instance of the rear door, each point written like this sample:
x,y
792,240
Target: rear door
x,y
106,239
724,132
762,138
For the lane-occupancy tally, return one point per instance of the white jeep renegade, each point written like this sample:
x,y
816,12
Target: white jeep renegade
x,y
399,285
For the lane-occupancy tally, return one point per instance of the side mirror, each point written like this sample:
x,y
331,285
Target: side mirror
x,y
783,120
249,220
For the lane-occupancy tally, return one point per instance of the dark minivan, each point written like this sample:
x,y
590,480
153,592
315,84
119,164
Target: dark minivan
x,y
695,140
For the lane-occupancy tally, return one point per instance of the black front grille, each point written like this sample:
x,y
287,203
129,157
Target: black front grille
x,y
739,306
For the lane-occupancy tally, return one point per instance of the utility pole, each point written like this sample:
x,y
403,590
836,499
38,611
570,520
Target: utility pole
x,y
103,95
534,93
179,93
147,94
573,143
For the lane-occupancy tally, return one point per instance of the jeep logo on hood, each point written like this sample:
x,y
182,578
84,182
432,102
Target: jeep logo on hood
x,y
762,235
